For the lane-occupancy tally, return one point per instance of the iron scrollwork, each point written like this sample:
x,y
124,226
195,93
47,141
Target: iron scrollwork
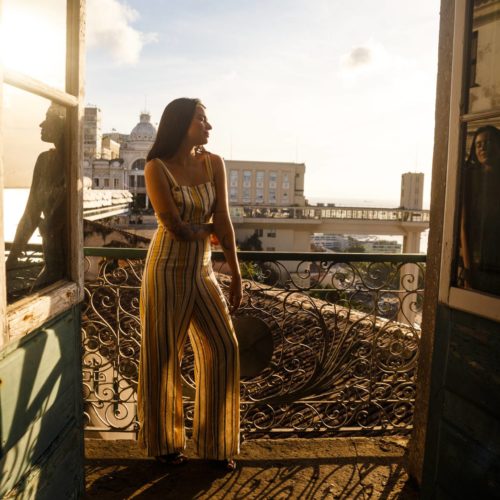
x,y
345,333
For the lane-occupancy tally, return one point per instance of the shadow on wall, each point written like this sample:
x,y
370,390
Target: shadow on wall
x,y
40,413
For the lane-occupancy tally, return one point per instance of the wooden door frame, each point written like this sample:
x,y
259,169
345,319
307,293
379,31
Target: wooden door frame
x,y
33,311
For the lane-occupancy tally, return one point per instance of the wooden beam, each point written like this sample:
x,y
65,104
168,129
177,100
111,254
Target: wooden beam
x,y
24,82
75,52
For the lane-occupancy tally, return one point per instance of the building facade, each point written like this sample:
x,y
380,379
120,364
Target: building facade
x,y
412,190
133,152
92,133
265,183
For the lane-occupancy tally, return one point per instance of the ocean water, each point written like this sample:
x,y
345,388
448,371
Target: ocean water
x,y
356,202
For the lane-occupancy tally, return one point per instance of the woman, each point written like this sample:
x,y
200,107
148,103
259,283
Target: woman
x,y
480,231
180,295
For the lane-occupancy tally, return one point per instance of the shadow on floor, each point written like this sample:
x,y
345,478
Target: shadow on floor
x,y
304,478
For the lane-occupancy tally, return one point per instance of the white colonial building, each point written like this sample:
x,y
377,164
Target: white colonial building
x,y
123,167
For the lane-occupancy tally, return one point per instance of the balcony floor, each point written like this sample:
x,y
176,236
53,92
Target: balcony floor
x,y
326,468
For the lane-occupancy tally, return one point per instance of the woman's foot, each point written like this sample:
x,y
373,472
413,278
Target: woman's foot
x,y
228,465
177,458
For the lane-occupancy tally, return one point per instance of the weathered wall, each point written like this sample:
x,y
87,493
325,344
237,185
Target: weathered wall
x,y
41,431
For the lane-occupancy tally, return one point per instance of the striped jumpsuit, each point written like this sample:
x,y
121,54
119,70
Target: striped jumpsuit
x,y
180,295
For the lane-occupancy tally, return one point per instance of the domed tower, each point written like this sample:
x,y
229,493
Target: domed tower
x,y
134,151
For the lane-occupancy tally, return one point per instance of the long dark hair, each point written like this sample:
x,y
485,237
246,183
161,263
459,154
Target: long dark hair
x,y
174,124
495,136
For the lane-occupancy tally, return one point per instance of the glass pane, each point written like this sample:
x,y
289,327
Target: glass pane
x,y
479,230
484,67
35,196
33,39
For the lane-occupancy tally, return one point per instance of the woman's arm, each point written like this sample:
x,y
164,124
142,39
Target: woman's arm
x,y
158,189
31,216
224,231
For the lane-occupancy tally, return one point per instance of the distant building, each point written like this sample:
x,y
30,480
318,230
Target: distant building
x,y
110,149
412,191
133,152
122,157
105,174
92,133
343,242
265,183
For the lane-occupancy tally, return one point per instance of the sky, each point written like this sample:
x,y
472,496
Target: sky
x,y
348,88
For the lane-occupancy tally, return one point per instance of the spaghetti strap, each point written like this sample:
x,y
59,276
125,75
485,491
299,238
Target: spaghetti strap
x,y
171,178
208,164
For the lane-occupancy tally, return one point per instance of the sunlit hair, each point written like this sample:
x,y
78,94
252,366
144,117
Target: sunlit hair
x,y
58,110
174,124
494,136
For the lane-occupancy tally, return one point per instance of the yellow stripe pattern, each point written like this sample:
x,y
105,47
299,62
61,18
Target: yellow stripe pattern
x,y
180,296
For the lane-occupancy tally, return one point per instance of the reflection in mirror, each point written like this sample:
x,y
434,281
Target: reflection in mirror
x,y
33,39
35,195
479,266
484,65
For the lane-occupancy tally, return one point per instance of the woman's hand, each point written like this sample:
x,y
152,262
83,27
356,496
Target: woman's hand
x,y
235,294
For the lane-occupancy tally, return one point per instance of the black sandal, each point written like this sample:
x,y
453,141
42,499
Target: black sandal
x,y
177,458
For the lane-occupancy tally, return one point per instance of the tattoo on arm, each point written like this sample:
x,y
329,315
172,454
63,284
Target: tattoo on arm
x,y
185,231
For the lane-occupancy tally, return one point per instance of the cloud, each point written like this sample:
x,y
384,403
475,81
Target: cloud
x,y
358,56
109,29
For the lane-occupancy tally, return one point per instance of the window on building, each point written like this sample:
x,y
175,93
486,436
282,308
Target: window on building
x,y
233,178
247,178
259,179
140,181
286,181
272,196
259,195
233,194
96,181
139,164
273,180
271,233
116,183
131,181
246,195
106,182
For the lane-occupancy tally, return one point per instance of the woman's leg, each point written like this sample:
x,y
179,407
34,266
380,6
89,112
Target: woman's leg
x,y
166,307
217,407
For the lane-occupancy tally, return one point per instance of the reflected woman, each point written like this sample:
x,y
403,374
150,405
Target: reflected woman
x,y
480,221
180,295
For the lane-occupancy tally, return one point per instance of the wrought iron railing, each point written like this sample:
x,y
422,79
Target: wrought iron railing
x,y
345,336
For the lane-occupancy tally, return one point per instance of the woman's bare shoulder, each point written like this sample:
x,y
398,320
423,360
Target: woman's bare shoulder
x,y
153,165
216,161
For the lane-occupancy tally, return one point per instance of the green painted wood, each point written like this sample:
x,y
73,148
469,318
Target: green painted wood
x,y
58,475
40,396
473,367
465,468
462,458
472,421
